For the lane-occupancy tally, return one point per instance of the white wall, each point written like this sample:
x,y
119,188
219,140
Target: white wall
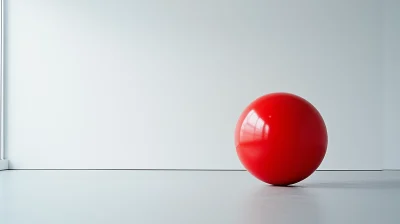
x,y
392,81
160,84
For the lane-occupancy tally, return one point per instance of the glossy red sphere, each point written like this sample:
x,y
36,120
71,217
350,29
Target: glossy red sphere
x,y
281,138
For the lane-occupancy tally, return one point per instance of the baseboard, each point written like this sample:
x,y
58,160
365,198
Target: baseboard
x,y
3,164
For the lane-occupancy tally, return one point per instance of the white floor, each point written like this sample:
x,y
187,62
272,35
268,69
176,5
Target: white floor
x,y
191,197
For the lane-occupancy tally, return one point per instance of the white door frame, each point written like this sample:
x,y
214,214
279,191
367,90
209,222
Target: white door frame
x,y
3,161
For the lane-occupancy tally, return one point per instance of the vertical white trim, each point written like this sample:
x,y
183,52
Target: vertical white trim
x,y
2,149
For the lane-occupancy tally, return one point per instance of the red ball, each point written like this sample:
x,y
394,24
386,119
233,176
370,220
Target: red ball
x,y
281,139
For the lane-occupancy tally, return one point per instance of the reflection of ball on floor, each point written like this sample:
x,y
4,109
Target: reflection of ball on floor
x,y
281,138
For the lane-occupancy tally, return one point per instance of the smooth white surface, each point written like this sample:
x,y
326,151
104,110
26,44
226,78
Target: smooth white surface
x,y
392,82
154,197
3,164
2,97
157,84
